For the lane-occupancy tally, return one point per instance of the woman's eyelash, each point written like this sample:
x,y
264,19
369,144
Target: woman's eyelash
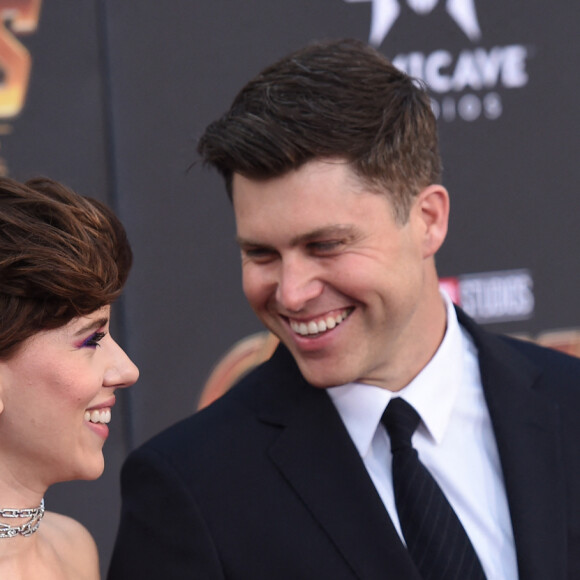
x,y
94,339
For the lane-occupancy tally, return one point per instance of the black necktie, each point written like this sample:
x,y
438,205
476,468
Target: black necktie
x,y
434,535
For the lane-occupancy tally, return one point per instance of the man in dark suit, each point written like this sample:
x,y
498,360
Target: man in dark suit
x,y
302,470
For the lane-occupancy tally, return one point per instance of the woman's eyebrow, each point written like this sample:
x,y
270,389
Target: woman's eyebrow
x,y
92,326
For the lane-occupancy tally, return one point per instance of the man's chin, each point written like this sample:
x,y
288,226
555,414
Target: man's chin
x,y
320,378
319,367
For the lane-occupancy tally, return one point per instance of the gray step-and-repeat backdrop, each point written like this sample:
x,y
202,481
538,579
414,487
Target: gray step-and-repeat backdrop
x,y
110,97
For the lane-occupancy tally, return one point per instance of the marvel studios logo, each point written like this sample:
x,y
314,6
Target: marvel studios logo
x,y
493,296
467,83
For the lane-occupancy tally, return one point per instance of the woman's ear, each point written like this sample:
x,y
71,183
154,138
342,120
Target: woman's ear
x,y
433,208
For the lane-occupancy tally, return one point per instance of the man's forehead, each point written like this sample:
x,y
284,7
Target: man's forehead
x,y
317,164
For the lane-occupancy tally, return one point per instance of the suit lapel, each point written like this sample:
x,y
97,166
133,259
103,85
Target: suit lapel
x,y
319,461
526,427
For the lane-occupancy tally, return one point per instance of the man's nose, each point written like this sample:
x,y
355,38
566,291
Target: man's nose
x,y
298,283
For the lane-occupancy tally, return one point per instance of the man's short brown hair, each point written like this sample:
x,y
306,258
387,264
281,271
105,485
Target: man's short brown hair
x,y
336,100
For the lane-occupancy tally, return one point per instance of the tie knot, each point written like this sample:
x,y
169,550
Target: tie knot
x,y
400,421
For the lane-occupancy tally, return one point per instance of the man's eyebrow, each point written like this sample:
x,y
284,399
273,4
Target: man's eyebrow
x,y
323,232
92,326
247,242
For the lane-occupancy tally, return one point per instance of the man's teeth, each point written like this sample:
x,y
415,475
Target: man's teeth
x,y
98,416
316,327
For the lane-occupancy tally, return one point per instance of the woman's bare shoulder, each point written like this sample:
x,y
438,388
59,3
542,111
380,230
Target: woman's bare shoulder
x,y
73,544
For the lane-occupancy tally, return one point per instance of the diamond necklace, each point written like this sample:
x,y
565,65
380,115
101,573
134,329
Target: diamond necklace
x,y
34,516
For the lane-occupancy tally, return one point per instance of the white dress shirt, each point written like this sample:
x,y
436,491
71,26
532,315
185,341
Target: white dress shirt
x,y
455,441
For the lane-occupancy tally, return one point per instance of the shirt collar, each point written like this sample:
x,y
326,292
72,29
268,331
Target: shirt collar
x,y
432,392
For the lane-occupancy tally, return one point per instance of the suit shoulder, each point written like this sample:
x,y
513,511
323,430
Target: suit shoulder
x,y
517,352
545,357
557,373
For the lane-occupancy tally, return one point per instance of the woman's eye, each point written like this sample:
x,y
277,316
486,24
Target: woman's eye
x,y
94,339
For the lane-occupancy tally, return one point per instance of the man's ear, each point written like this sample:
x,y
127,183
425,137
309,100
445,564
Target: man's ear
x,y
433,211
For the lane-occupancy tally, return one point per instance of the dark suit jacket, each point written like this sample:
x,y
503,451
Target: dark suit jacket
x,y
267,484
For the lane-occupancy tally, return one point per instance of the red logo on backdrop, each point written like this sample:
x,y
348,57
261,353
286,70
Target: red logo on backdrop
x,y
501,296
451,286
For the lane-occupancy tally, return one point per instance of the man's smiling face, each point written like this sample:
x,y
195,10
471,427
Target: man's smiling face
x,y
328,270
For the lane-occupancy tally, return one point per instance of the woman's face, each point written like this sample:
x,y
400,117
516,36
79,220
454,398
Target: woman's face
x,y
56,396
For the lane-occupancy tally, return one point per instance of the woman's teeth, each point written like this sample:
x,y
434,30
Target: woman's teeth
x,y
98,416
318,326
